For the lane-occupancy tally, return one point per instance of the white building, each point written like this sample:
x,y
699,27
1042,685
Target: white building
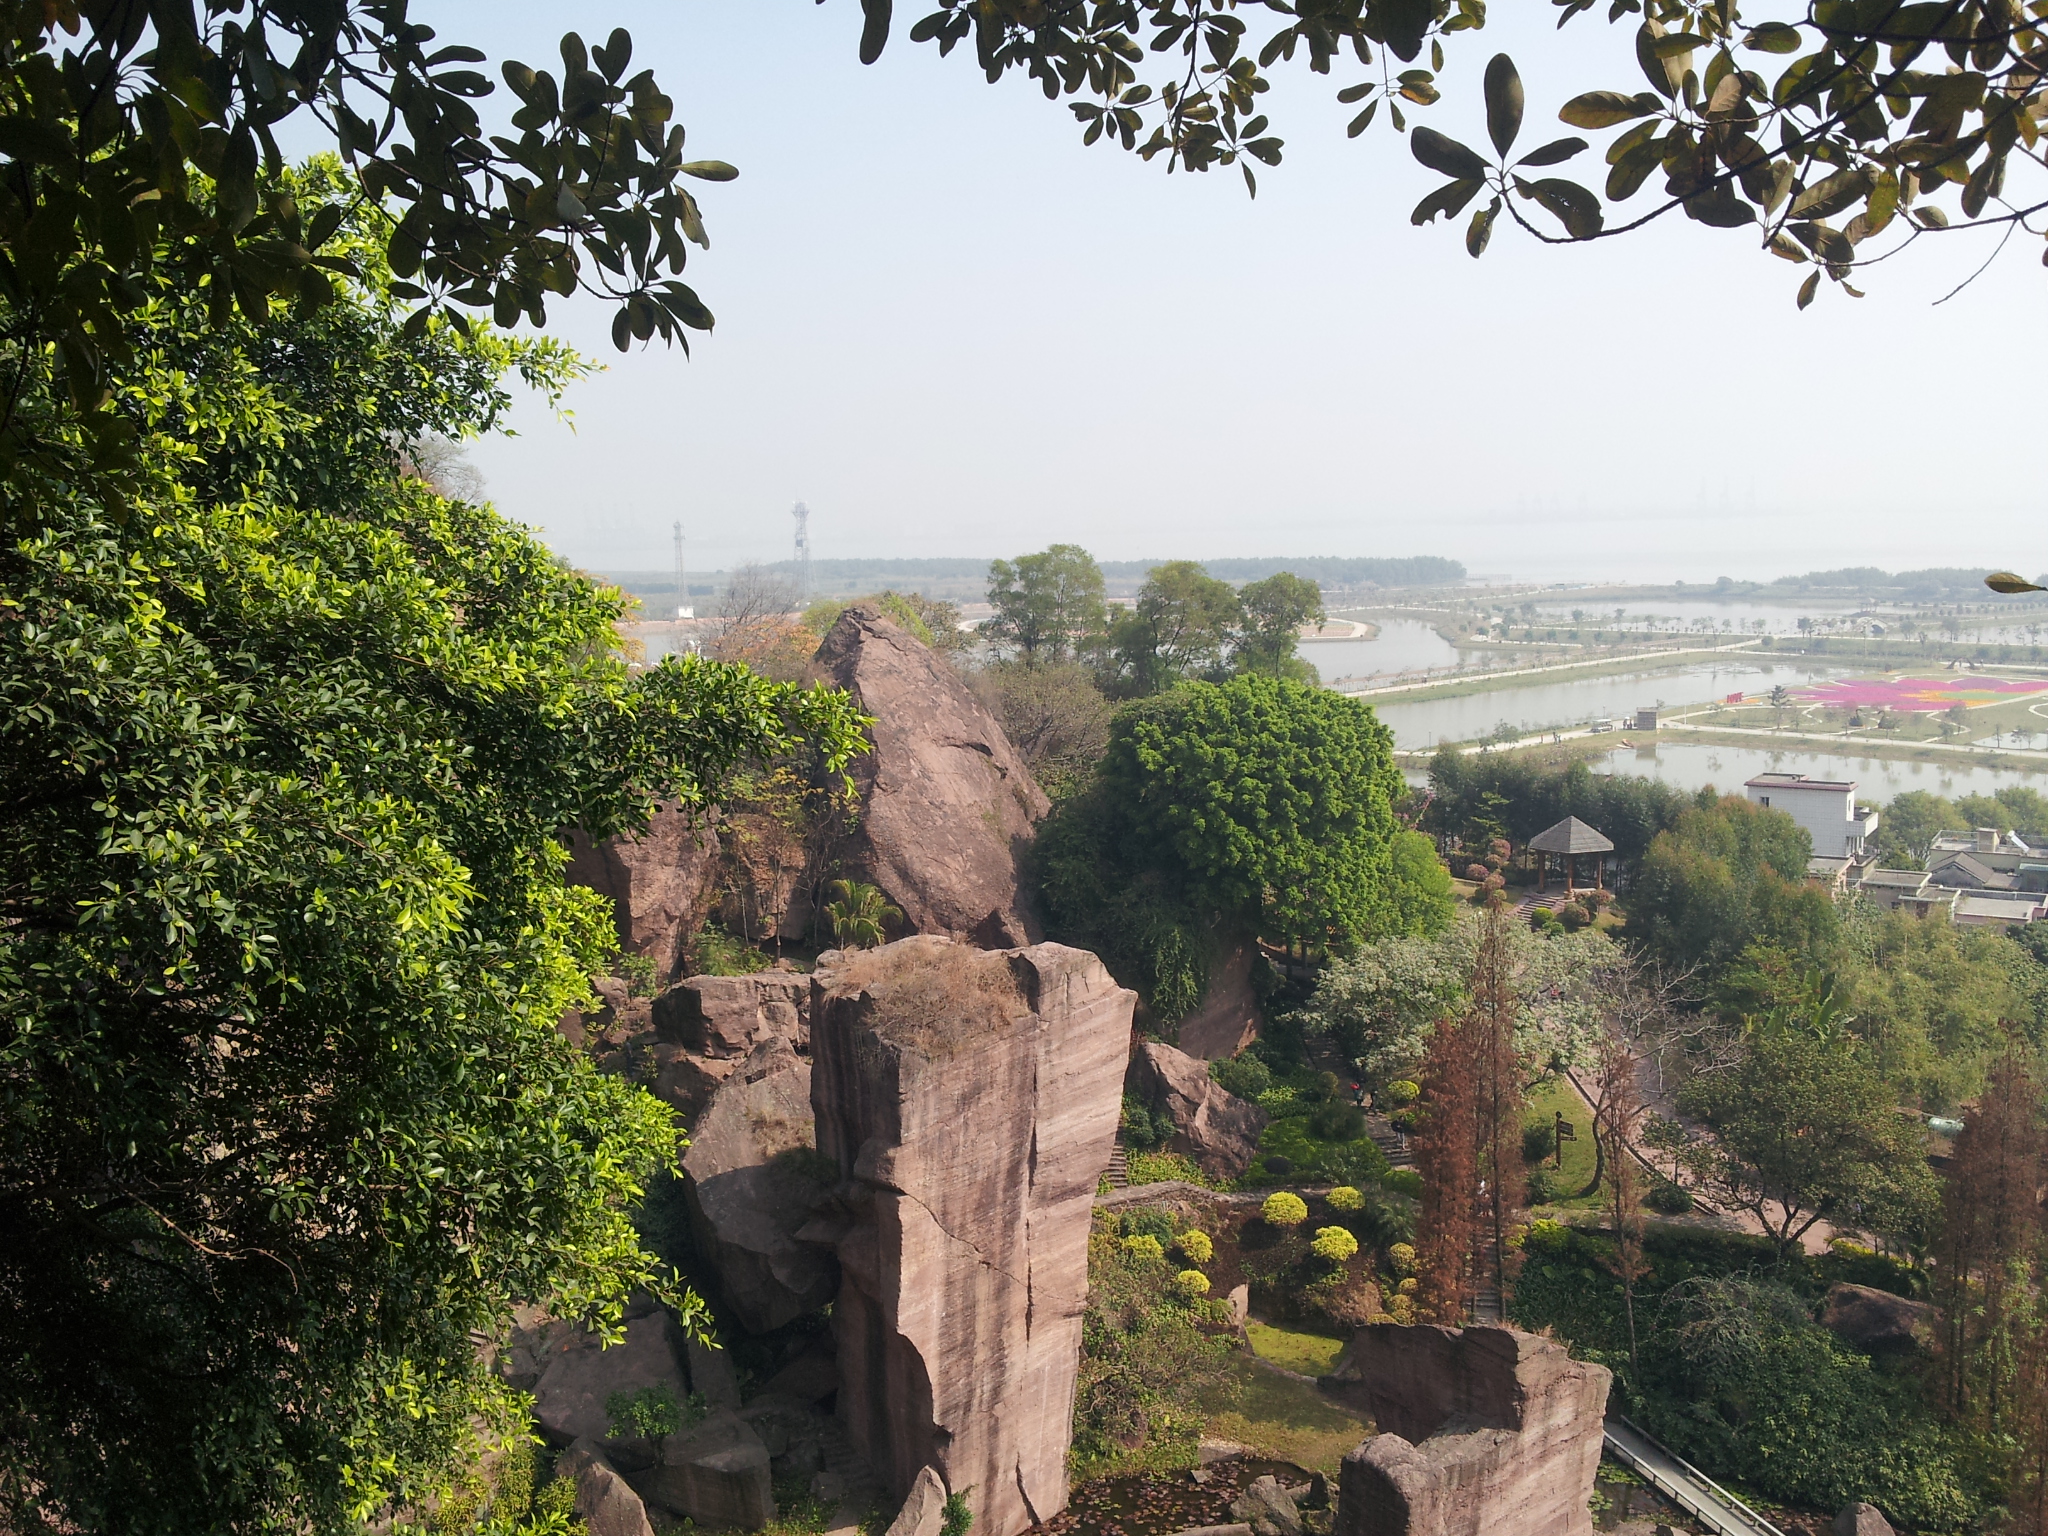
x,y
1825,807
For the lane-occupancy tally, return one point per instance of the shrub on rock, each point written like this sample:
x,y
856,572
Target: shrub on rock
x,y
1334,1244
1283,1209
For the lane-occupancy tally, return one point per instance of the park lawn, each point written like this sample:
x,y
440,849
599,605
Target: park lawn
x,y
1308,1354
1288,1420
1553,1098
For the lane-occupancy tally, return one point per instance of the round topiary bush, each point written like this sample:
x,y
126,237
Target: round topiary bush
x,y
1345,1198
1191,1283
1284,1209
1409,1286
1196,1245
1144,1246
1335,1244
1403,1091
1402,1257
1668,1199
1573,916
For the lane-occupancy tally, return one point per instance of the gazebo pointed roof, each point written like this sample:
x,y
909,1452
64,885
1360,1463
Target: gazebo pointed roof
x,y
1570,836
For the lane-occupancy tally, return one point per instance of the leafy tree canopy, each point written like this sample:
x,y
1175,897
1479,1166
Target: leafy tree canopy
x,y
1482,795
1274,611
1252,807
1726,873
1047,605
290,738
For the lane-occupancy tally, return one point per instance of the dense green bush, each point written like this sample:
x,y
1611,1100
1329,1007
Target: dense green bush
x,y
1283,1208
1246,1076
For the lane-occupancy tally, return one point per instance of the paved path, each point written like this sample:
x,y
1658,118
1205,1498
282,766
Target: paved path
x,y
1684,1484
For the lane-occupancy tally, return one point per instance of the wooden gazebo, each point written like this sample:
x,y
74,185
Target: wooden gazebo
x,y
1570,840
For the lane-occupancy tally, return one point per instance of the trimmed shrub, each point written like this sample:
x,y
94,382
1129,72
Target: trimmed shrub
x,y
1668,1199
1144,1246
1403,1181
1538,1141
1335,1244
1345,1198
1283,1209
1403,1092
1196,1245
1191,1283
1402,1257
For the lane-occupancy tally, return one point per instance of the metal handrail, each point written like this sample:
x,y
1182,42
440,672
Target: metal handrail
x,y
1686,1497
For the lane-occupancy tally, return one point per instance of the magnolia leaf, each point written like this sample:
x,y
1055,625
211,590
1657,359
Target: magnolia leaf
x,y
1809,288
2009,584
1445,154
1603,109
1503,102
1481,229
1577,209
1556,152
874,32
1773,37
1831,195
1449,199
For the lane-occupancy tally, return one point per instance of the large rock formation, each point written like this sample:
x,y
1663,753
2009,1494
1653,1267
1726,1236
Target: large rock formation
x,y
1482,1430
754,1176
972,1098
1211,1125
714,1472
582,1376
1227,1019
707,1026
1877,1322
947,805
658,882
605,1501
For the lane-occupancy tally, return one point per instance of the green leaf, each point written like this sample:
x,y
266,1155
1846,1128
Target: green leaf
x,y
1449,199
710,170
1773,37
1446,155
1503,102
1830,196
1809,288
1359,123
1556,152
1575,207
874,32
1603,109
1352,93
1481,229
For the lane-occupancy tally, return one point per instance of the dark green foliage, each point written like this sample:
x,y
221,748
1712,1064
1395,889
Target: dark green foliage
x,y
1736,1378
284,1114
1246,1075
1140,1129
1668,1199
958,1519
1729,873
1274,611
1046,605
1538,1142
1483,795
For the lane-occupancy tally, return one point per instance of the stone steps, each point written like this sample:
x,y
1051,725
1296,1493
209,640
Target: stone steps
x,y
1119,1171
1389,1141
1486,1307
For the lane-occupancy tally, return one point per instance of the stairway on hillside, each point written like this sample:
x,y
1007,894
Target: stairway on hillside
x,y
1389,1141
1118,1173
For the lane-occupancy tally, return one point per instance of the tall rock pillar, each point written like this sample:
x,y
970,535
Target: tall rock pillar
x,y
970,1099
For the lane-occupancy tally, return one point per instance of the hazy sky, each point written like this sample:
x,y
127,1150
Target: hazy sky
x,y
951,330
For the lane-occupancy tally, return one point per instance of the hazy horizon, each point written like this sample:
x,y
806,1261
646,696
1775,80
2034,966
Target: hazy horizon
x,y
951,330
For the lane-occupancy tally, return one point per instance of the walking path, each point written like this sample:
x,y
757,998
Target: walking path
x,y
1465,675
1684,1484
1843,741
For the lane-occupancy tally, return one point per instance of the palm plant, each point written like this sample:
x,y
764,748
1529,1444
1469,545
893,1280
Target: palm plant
x,y
859,914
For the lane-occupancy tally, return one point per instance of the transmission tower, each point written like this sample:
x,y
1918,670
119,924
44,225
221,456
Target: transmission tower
x,y
682,592
802,514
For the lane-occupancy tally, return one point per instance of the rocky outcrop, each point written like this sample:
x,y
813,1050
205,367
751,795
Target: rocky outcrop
x,y
1862,1520
1482,1430
1215,1128
714,1472
604,1499
972,1099
1227,1019
582,1376
1877,1322
754,1176
924,1511
705,1027
658,881
946,804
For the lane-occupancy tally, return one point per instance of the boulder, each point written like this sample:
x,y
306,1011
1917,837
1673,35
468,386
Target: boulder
x,y
1268,1508
1861,1520
1227,1019
658,881
1876,1322
754,1177
714,1472
946,804
971,1099
924,1511
711,1374
524,1355
582,1376
604,1499
725,1017
1214,1127
1481,1430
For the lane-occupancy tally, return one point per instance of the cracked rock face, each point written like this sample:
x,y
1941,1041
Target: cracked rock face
x,y
706,1027
754,1176
1214,1127
1482,1430
947,805
658,882
972,1098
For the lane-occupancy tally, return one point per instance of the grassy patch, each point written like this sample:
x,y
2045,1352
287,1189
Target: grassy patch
x,y
1310,1354
1289,1420
1554,1098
